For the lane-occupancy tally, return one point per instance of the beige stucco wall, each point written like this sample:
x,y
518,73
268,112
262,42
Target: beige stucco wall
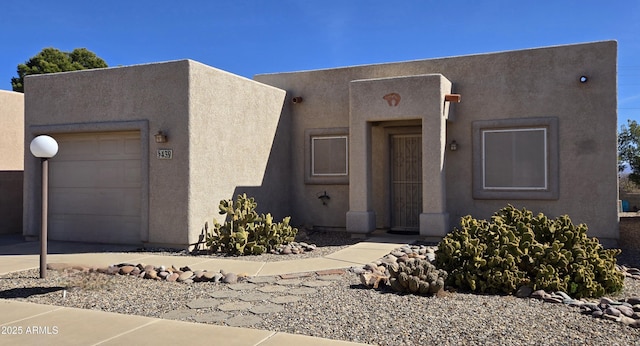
x,y
529,83
146,98
12,119
220,127
421,99
233,124
11,161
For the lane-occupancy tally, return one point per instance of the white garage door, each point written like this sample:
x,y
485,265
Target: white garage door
x,y
95,188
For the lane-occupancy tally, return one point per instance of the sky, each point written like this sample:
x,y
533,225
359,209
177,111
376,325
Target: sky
x,y
254,37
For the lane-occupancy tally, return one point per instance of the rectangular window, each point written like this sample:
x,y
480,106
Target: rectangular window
x,y
329,156
515,159
326,158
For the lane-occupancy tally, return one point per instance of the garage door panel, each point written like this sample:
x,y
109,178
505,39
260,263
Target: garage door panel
x,y
95,187
132,146
112,202
115,174
74,149
91,228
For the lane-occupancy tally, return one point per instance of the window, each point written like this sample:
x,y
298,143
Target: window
x,y
327,156
515,159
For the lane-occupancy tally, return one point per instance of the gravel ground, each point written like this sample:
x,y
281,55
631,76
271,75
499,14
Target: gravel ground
x,y
346,310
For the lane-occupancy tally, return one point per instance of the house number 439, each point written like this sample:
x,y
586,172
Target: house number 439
x,y
165,154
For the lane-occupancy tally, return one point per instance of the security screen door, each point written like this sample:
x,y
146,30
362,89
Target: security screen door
x,y
406,182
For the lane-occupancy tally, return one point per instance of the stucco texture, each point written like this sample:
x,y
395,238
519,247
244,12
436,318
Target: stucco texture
x,y
220,128
532,83
12,117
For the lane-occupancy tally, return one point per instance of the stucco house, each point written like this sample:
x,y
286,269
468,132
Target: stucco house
x,y
147,151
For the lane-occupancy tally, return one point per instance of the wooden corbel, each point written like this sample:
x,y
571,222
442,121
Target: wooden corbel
x,y
452,98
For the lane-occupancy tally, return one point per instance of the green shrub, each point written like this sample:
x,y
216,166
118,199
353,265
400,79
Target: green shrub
x,y
416,276
516,248
245,232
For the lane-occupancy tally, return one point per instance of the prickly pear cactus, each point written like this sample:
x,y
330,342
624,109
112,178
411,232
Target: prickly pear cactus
x,y
245,232
416,276
517,248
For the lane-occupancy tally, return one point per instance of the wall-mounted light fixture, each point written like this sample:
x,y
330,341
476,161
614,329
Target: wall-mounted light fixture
x,y
160,137
453,146
297,99
324,198
583,79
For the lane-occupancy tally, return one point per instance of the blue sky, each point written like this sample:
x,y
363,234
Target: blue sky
x,y
253,37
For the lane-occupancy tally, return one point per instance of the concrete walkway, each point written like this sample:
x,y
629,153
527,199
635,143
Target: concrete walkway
x,y
33,324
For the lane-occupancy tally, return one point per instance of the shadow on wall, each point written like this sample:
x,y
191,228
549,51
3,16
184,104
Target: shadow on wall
x,y
273,195
11,202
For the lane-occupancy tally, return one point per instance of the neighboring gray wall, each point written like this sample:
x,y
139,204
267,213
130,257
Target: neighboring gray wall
x,y
11,161
519,84
144,97
233,124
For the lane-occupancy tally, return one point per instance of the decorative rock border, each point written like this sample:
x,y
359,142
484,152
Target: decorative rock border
x,y
626,311
160,273
293,248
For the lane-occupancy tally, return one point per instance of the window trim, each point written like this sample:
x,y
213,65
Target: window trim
x,y
310,177
313,161
550,192
520,188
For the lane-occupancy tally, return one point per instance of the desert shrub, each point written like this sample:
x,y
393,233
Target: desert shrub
x,y
517,248
416,276
245,232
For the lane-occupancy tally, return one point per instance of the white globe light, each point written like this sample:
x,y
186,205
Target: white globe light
x,y
44,147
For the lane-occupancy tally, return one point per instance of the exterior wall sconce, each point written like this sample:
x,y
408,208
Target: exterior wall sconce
x,y
584,79
296,100
160,137
453,146
324,198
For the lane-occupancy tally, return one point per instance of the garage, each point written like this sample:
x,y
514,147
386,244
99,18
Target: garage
x,y
95,188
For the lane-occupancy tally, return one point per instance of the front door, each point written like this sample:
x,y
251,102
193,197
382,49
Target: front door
x,y
406,182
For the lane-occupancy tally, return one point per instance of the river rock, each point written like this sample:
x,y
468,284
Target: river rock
x,y
524,292
151,274
633,300
126,270
611,317
230,278
185,275
612,311
173,277
539,294
625,310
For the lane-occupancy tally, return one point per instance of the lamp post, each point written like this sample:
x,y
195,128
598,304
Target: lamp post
x,y
44,147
